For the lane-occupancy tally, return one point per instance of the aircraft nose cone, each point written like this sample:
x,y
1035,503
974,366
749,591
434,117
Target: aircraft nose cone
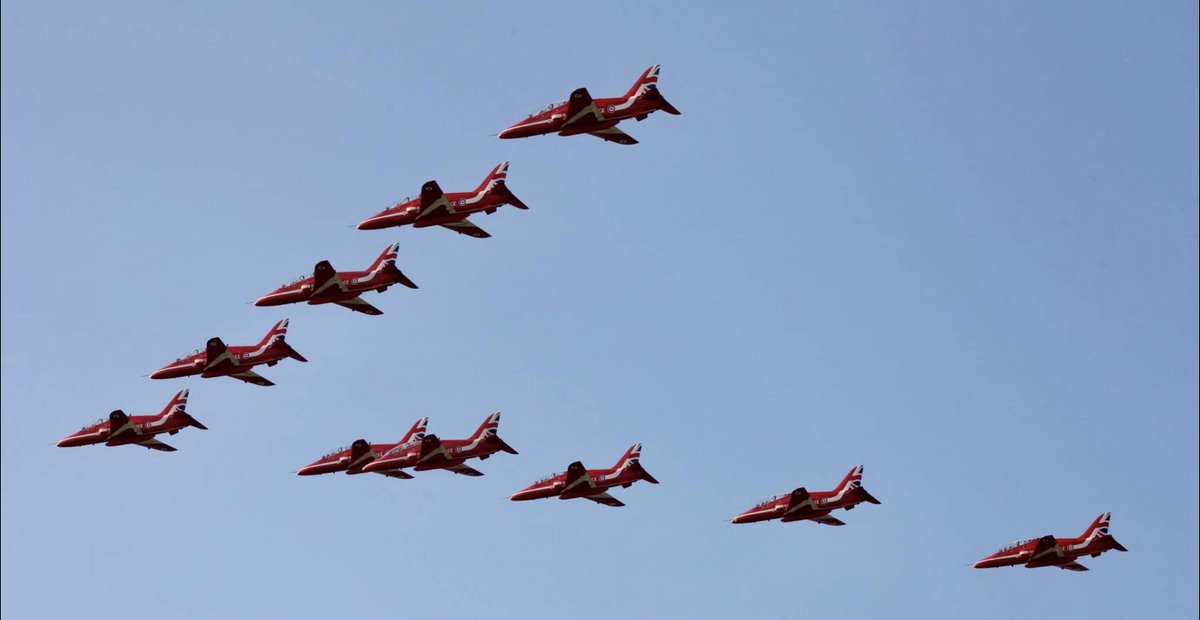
x,y
521,496
375,465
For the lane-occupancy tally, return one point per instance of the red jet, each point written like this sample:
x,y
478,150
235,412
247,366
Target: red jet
x,y
326,285
122,430
816,506
590,483
1060,552
436,208
218,360
599,117
451,454
352,458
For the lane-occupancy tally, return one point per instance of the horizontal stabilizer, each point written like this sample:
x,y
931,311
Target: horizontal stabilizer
x,y
505,447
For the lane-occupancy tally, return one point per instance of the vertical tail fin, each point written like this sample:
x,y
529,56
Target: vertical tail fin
x,y
387,257
178,404
853,480
277,334
494,178
417,432
631,457
490,426
278,337
1099,527
178,407
646,82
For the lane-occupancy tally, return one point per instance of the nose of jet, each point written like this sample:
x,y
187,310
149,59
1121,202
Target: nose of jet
x,y
524,495
518,130
988,562
270,299
371,223
742,518
313,469
375,465
70,441
170,371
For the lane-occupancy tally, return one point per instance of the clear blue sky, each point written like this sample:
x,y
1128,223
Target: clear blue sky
x,y
957,244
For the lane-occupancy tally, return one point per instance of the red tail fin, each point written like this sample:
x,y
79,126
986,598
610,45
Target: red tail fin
x,y
1098,527
647,81
490,426
388,255
494,178
417,431
631,457
277,334
178,403
853,480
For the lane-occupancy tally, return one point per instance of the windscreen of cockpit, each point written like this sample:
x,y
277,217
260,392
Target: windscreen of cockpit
x,y
188,354
546,108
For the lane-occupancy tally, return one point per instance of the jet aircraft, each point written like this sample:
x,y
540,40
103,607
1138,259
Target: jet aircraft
x,y
325,285
449,454
1060,552
596,117
436,208
218,360
815,506
353,457
119,429
591,484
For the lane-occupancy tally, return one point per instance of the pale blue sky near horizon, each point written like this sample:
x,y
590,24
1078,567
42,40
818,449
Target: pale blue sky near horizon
x,y
954,242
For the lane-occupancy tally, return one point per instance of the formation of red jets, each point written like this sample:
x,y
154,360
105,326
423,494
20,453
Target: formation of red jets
x,y
418,450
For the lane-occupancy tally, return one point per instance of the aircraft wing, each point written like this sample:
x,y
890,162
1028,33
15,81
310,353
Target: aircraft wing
x,y
217,355
433,201
1075,566
606,499
825,519
249,376
155,444
325,278
466,470
581,109
358,305
1045,545
119,426
465,227
612,134
395,473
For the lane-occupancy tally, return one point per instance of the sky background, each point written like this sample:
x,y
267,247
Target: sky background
x,y
956,244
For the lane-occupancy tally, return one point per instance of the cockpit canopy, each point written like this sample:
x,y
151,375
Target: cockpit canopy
x,y
1014,544
401,203
96,423
335,452
547,108
191,353
548,478
296,280
771,500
